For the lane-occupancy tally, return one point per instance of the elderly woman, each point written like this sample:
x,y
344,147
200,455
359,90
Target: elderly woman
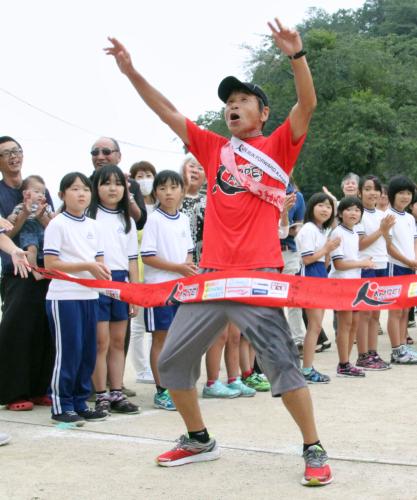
x,y
194,202
349,185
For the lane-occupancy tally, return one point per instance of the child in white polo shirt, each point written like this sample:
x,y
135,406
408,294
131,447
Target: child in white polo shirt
x,y
346,263
167,252
402,260
72,245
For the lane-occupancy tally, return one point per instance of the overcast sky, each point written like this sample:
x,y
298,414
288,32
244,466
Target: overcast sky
x,y
52,58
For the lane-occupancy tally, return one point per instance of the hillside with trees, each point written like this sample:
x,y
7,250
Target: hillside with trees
x,y
364,65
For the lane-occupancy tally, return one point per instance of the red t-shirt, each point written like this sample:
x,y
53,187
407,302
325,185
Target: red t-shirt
x,y
241,230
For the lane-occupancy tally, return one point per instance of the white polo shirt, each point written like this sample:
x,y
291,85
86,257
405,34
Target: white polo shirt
x,y
371,221
118,246
310,239
169,237
403,233
347,250
72,239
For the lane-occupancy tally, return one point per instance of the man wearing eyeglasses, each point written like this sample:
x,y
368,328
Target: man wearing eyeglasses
x,y
25,340
106,151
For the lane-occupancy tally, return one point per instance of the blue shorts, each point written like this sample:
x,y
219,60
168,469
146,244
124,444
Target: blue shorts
x,y
374,273
159,318
395,270
315,270
110,309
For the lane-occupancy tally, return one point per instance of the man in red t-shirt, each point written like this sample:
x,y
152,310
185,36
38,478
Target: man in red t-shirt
x,y
246,183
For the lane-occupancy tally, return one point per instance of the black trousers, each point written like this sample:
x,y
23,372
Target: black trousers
x,y
26,349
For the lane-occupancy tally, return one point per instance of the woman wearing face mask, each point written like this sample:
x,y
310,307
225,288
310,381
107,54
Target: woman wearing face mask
x,y
144,173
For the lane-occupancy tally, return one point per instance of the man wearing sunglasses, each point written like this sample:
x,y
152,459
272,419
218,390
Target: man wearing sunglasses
x,y
106,151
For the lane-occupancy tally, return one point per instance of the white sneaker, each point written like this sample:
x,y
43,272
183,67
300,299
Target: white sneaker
x,y
145,377
405,357
4,438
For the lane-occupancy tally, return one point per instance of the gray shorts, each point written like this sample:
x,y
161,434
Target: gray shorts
x,y
196,327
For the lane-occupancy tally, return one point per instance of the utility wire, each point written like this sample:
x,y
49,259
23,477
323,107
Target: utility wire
x,y
70,124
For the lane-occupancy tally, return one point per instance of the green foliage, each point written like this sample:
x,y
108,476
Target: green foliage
x,y
364,65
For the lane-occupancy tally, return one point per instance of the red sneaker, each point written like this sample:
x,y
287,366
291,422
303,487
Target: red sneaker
x,y
187,451
317,471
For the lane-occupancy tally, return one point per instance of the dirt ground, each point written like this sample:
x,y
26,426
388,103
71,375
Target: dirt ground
x,y
367,427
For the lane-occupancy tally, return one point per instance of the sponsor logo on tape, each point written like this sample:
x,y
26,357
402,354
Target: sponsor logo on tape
x,y
214,289
276,289
376,295
238,287
412,289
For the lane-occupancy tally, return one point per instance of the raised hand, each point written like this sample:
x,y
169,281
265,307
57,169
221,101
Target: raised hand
x,y
122,56
290,200
27,202
40,211
287,40
332,244
326,191
386,224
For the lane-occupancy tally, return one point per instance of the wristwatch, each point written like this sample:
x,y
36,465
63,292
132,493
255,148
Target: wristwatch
x,y
297,55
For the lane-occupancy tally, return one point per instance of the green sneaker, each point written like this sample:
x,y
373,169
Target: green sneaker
x,y
163,401
245,390
219,390
257,381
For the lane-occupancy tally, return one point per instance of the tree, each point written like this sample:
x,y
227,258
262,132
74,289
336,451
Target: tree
x,y
364,65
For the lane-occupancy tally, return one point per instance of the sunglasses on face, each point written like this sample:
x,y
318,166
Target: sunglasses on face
x,y
104,151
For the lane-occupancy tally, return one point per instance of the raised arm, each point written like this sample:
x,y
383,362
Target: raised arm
x,y
152,97
290,43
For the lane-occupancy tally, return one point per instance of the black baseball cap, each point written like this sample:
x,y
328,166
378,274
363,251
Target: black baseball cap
x,y
231,83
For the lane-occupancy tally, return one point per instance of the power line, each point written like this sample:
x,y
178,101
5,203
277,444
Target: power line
x,y
74,125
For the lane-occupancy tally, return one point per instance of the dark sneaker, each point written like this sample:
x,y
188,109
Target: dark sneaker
x,y
349,371
317,471
123,405
372,363
92,415
68,417
187,451
103,405
324,346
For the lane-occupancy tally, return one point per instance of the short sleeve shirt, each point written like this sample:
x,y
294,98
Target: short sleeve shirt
x,y
347,250
169,237
72,239
240,230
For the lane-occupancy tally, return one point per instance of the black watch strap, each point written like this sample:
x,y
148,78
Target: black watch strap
x,y
297,55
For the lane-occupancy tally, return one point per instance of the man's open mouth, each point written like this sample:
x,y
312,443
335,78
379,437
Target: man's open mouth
x,y
234,116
